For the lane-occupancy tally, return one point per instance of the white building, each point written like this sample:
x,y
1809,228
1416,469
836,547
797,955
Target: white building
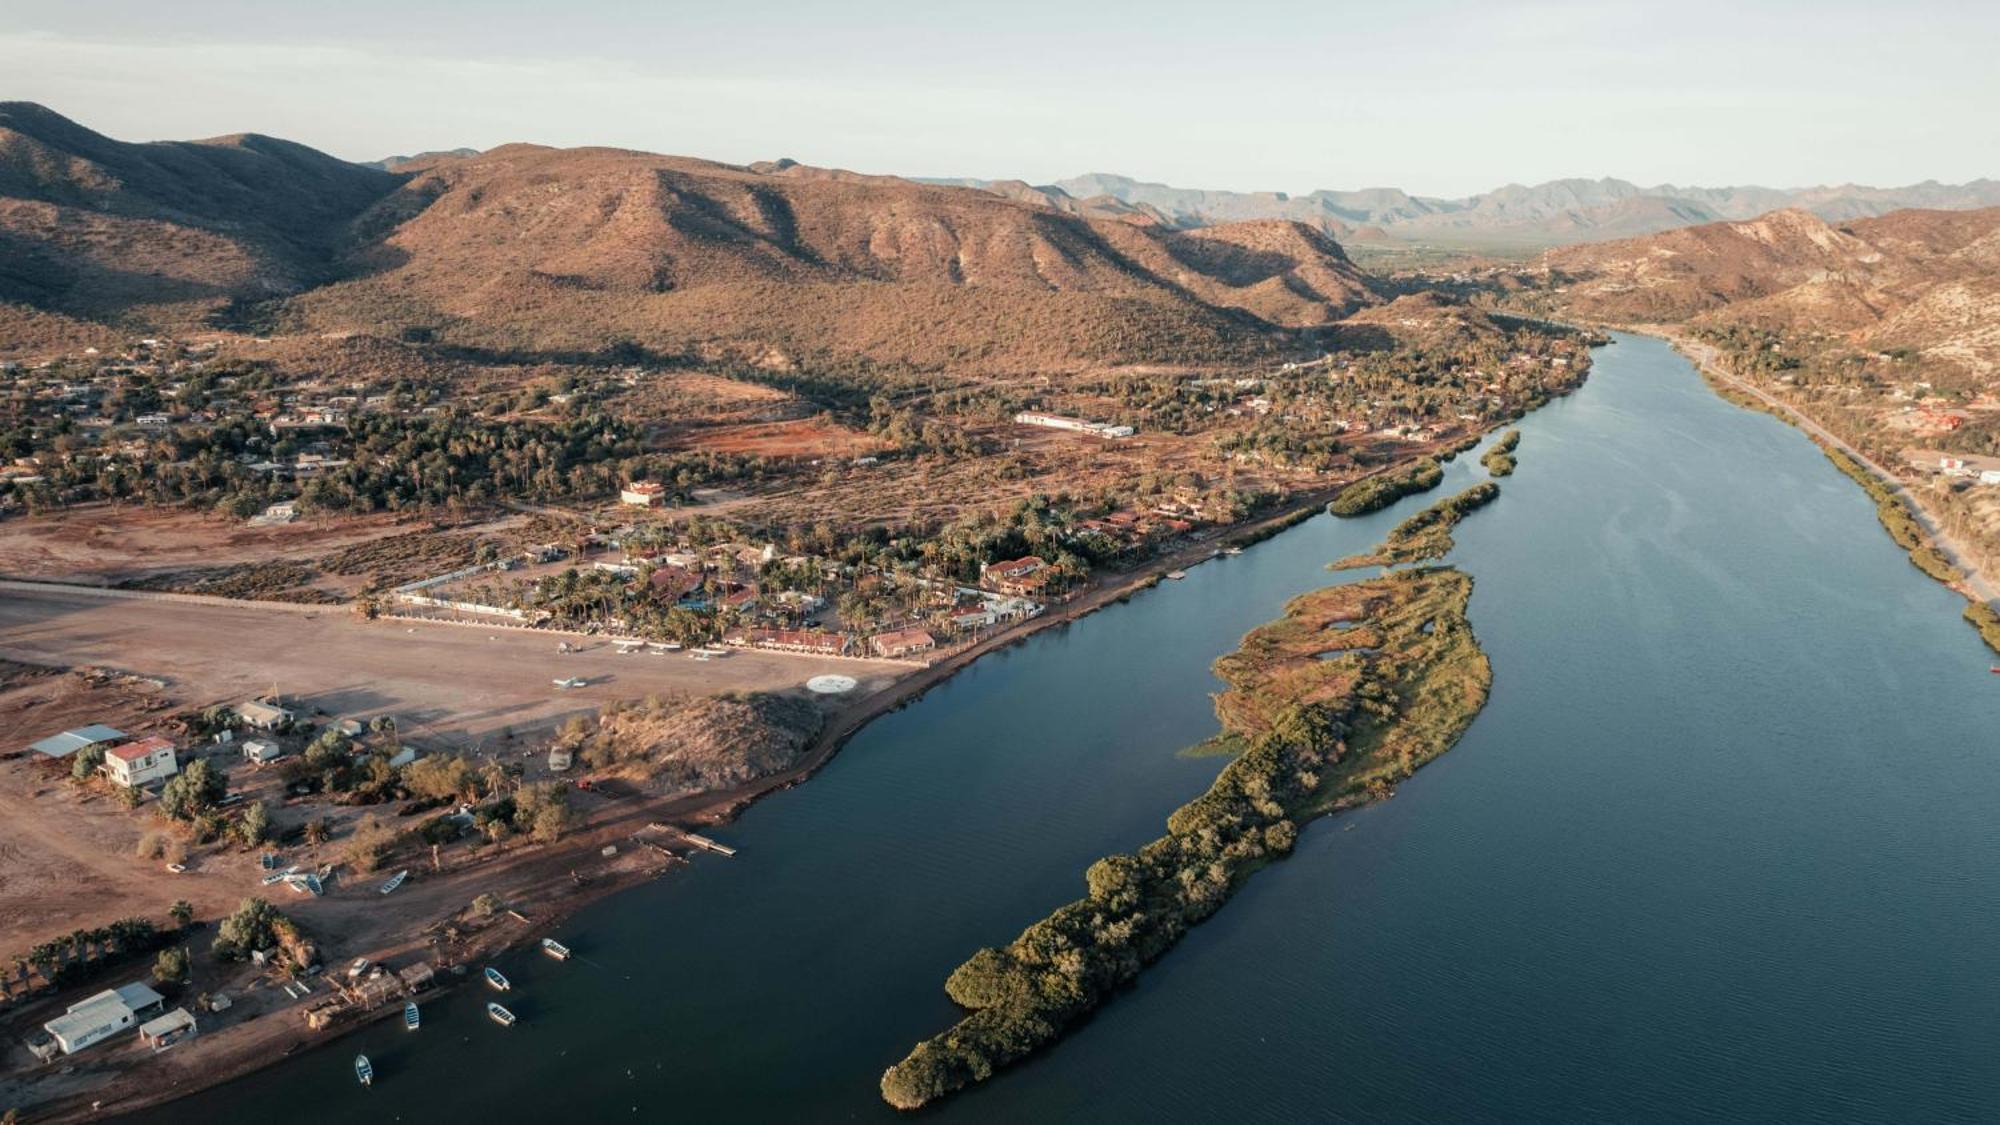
x,y
1989,476
1077,425
262,750
263,716
142,762
102,1016
643,493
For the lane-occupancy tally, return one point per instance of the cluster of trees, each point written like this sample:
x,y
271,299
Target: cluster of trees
x,y
1499,457
394,462
255,925
1378,492
1024,995
62,960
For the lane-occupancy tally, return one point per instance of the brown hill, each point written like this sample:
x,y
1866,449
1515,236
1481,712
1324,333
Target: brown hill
x,y
533,248
1922,279
104,230
527,249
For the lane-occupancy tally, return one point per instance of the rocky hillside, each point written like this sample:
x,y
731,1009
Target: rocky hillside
x,y
1926,280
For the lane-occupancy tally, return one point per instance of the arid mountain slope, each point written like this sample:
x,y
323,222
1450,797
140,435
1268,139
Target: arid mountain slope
x,y
533,248
101,229
1928,280
525,249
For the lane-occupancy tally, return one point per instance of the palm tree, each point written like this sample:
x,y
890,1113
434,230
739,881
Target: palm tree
x,y
182,913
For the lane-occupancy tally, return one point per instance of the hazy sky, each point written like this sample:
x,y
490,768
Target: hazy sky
x,y
1442,97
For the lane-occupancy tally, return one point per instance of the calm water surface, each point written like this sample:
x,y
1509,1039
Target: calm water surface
x,y
1722,846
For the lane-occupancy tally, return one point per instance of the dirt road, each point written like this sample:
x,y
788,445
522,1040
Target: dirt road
x,y
452,683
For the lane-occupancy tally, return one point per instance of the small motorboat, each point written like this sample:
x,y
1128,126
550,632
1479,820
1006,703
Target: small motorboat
x,y
494,978
364,1071
500,1015
395,882
411,1017
555,949
1177,575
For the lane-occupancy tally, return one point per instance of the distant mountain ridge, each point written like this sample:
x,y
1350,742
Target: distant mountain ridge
x,y
1518,216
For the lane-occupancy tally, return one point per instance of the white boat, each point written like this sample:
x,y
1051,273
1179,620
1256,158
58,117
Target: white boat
x,y
555,949
411,1017
494,978
1177,575
500,1015
395,881
364,1070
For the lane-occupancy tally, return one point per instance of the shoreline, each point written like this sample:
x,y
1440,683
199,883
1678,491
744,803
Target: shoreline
x,y
551,893
1978,586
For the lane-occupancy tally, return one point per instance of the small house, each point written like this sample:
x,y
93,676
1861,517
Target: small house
x,y
902,642
102,1016
165,1031
141,763
261,715
643,494
262,750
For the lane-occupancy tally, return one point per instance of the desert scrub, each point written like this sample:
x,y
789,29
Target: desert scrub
x,y
1499,457
1352,690
1376,493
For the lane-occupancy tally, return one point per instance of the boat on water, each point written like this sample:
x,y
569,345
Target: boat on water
x,y
1177,575
500,1015
555,949
364,1071
1232,550
396,881
411,1017
494,978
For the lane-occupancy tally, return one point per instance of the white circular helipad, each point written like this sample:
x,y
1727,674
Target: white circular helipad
x,y
831,685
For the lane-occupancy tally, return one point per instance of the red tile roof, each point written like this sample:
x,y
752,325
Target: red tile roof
x,y
133,751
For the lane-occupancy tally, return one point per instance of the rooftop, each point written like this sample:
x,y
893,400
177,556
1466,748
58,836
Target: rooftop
x,y
70,741
133,751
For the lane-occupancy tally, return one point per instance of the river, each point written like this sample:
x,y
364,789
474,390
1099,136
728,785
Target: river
x,y
1722,845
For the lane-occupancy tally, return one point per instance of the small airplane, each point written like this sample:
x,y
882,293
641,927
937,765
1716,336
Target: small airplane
x,y
570,682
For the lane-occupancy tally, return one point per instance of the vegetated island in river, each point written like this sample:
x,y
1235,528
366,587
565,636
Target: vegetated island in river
x,y
1352,690
1426,535
1499,457
1375,493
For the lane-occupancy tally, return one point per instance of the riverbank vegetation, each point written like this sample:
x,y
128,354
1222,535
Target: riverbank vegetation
x,y
1378,492
1425,536
1353,689
1499,457
1898,520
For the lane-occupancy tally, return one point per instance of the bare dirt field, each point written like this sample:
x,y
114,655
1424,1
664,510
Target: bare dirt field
x,y
445,683
804,437
102,544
